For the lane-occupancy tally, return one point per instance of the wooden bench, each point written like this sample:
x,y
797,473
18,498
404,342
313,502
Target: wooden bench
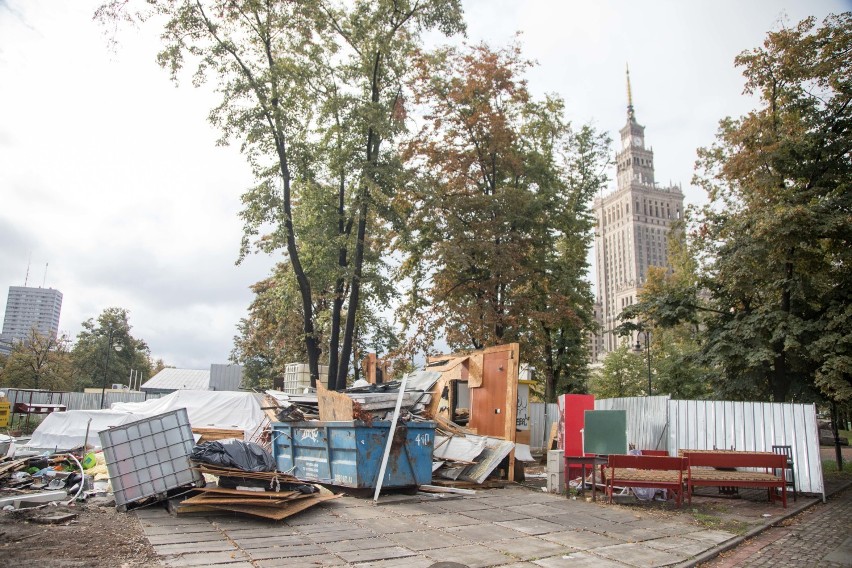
x,y
655,472
703,471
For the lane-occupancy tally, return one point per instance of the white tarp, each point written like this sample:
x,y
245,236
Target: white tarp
x,y
206,409
67,430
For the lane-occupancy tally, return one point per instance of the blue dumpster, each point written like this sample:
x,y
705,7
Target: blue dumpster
x,y
349,454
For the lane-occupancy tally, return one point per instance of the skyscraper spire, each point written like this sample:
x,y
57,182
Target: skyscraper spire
x,y
629,96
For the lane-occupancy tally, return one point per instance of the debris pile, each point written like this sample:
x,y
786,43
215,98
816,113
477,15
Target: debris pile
x,y
460,456
269,495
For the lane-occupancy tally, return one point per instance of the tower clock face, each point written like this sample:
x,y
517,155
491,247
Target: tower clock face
x,y
637,140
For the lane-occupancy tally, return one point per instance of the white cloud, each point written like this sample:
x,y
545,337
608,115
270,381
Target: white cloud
x,y
111,174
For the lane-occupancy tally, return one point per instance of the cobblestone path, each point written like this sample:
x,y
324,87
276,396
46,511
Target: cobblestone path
x,y
820,536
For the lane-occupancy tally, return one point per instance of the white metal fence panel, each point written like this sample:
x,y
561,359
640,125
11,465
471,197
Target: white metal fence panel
x,y
542,416
647,419
751,427
75,400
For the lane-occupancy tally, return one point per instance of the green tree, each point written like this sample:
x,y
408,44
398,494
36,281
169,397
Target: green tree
x,y
38,362
775,238
105,351
668,307
497,212
623,373
313,92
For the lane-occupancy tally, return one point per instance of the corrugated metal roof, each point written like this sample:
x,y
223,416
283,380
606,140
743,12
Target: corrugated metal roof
x,y
179,379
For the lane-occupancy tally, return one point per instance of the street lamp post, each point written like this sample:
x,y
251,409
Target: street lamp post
x,y
638,349
110,347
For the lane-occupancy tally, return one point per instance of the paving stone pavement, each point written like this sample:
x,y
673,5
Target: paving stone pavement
x,y
819,536
512,527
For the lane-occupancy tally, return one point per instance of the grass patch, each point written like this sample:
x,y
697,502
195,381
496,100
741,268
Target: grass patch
x,y
710,521
829,469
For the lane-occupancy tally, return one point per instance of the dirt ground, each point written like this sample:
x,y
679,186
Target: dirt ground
x,y
99,536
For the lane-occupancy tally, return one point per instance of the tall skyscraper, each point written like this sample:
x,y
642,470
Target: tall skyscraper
x,y
633,224
28,308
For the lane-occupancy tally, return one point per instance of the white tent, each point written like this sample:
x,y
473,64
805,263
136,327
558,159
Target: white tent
x,y
206,409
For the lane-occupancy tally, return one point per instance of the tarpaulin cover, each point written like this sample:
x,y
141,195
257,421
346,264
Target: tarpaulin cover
x,y
206,409
67,430
246,456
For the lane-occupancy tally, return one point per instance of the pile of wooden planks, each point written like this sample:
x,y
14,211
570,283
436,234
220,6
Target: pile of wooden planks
x,y
282,495
213,434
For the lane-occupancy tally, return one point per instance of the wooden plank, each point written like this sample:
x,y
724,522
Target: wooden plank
x,y
256,494
440,489
551,440
210,501
213,434
334,406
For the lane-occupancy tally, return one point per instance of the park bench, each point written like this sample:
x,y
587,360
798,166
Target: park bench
x,y
718,468
657,472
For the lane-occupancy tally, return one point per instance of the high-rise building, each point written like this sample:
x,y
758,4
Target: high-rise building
x,y
28,308
633,224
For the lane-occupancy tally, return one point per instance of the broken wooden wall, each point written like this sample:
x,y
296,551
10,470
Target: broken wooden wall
x,y
492,377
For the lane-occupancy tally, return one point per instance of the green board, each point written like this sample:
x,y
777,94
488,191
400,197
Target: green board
x,y
605,432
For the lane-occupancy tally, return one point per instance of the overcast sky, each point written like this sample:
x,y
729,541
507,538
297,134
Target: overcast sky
x,y
110,174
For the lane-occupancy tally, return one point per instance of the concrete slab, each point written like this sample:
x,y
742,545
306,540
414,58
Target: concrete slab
x,y
317,515
464,505
712,537
447,520
532,526
407,562
581,540
529,548
577,560
362,513
427,540
679,544
484,533
394,525
216,546
542,510
332,524
207,559
473,556
640,556
575,521
495,515
413,509
633,534
359,544
502,501
354,533
182,529
247,543
615,515
259,532
294,551
842,554
301,562
374,554
187,538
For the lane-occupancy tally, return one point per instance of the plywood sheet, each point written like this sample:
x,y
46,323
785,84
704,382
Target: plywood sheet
x,y
475,370
334,406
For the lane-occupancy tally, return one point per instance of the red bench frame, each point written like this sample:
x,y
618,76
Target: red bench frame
x,y
767,461
648,463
